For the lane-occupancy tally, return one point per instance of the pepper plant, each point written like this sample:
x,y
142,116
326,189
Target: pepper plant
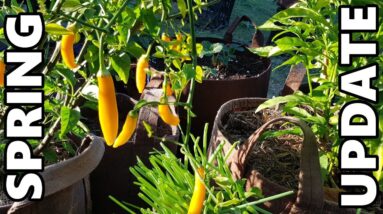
x,y
109,35
89,44
308,34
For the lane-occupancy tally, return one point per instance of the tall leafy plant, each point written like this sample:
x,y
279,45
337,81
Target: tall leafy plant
x,y
308,34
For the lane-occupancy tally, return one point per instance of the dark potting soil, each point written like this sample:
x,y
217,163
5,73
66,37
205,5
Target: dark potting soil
x,y
277,159
244,65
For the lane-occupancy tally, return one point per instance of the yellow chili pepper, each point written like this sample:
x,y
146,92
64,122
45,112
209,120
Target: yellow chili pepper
x,y
67,52
2,73
167,116
198,198
127,130
165,38
107,108
142,65
168,90
179,38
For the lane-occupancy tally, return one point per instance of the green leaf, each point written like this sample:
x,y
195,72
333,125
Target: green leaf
x,y
297,98
90,92
49,155
56,29
18,9
279,133
134,49
150,22
69,148
69,119
148,129
286,16
182,7
92,58
189,72
68,75
231,202
290,43
210,49
317,119
70,5
324,163
199,74
297,111
270,26
267,51
294,60
121,64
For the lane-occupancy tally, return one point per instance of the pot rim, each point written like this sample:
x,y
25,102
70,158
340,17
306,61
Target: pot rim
x,y
58,177
264,72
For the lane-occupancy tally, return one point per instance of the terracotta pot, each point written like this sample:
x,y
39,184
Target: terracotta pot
x,y
309,198
112,176
66,184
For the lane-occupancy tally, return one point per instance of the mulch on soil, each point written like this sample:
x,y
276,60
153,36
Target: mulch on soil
x,y
277,159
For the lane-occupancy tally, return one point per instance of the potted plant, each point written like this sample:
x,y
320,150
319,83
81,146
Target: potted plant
x,y
226,65
122,120
229,66
312,40
272,159
68,148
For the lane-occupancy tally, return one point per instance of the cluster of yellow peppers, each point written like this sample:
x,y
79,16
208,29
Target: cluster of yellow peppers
x,y
108,113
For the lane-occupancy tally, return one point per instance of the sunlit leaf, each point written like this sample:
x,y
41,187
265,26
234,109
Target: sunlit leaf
x,y
56,29
69,119
121,64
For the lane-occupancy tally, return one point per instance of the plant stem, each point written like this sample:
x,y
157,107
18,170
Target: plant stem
x,y
102,68
176,15
164,11
263,200
70,18
194,63
120,204
83,50
149,48
116,15
48,137
53,59
156,103
56,125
